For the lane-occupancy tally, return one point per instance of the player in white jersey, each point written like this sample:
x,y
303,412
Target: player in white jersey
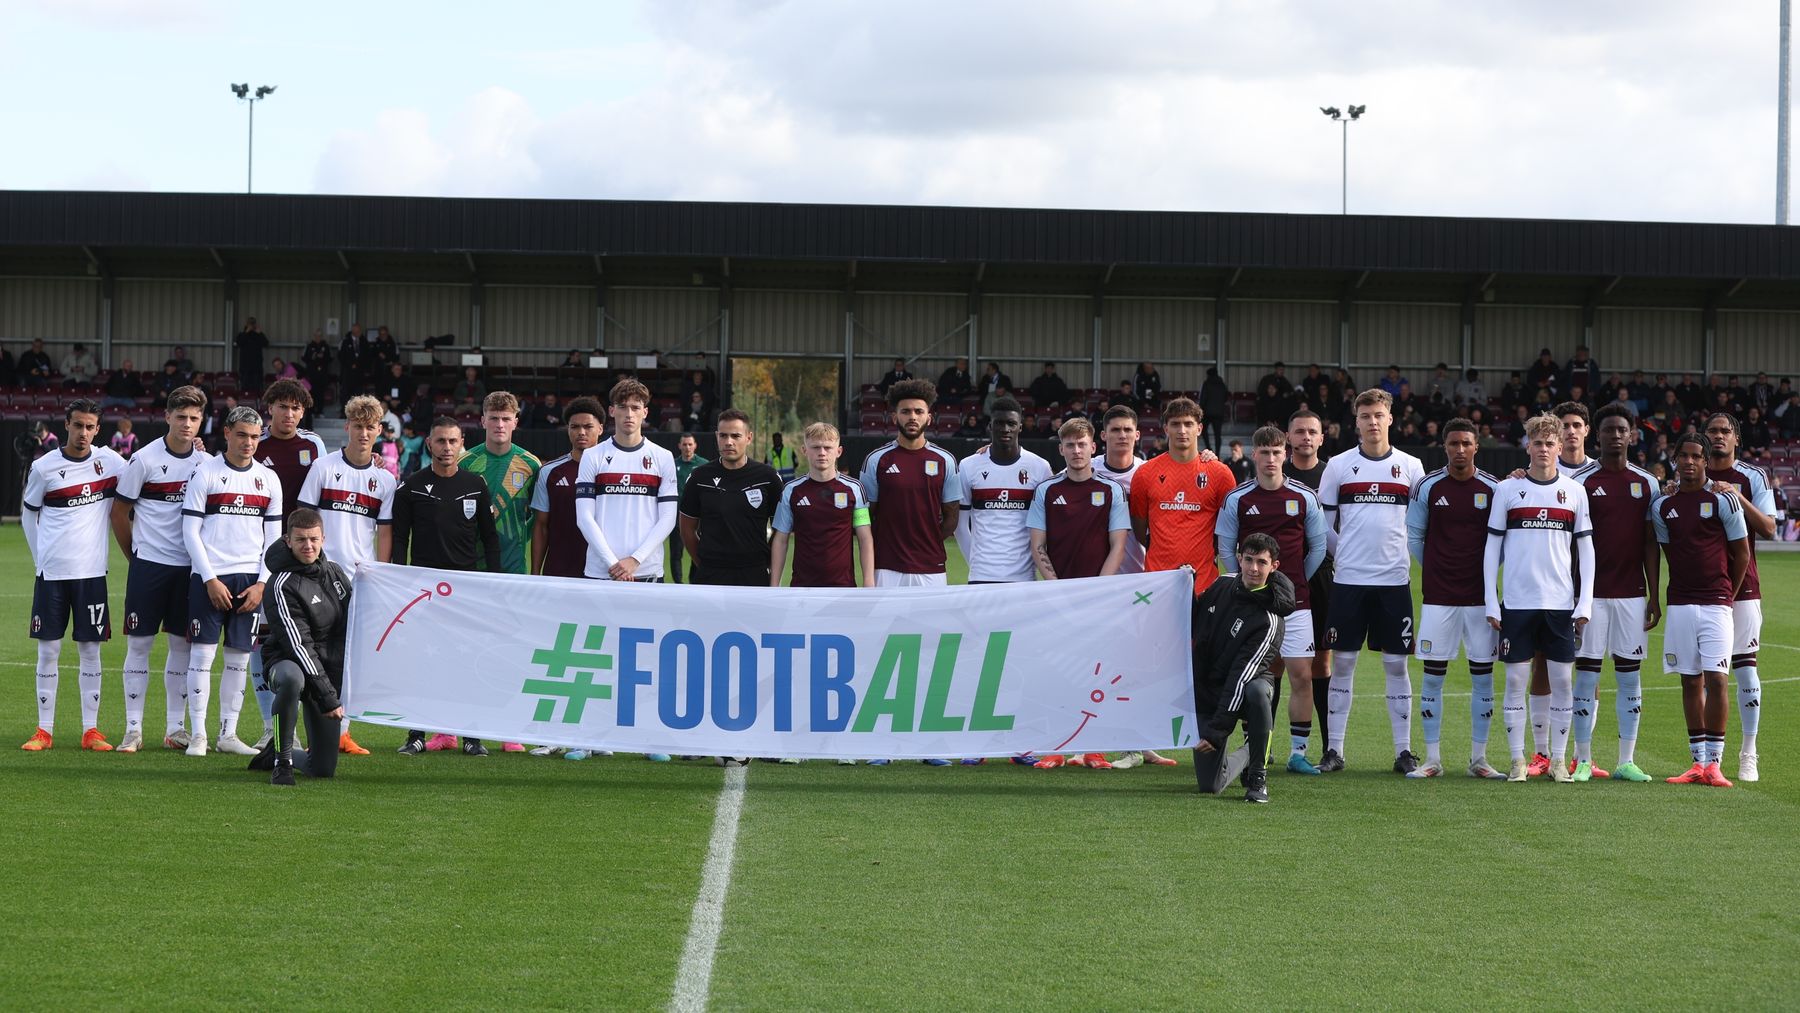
x,y
1367,490
229,517
355,500
65,521
1750,485
625,494
146,522
1536,525
996,497
1119,435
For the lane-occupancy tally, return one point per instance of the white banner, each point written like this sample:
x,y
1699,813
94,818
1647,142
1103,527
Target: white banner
x,y
991,670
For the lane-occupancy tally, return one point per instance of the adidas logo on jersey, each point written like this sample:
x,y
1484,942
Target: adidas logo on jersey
x,y
892,469
563,481
1442,501
315,600
804,501
1252,512
1599,492
1059,501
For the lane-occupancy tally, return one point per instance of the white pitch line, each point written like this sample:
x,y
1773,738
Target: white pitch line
x,y
693,975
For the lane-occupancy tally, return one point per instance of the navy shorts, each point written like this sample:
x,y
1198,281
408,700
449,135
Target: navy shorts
x,y
1382,615
1526,632
156,599
54,601
206,622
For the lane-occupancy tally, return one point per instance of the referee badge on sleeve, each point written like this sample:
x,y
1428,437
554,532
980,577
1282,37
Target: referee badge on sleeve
x,y
754,496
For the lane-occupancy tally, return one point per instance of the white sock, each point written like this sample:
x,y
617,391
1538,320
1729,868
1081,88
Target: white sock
x,y
136,673
1512,706
88,677
231,690
1399,700
1749,694
1343,686
1540,722
344,727
1629,709
200,660
49,652
175,684
1562,708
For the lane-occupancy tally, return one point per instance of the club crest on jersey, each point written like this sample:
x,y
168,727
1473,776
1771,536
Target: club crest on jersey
x,y
468,509
98,470
1562,496
931,468
1024,476
1706,510
258,482
306,457
1293,508
372,485
1099,498
1637,490
1394,471
516,480
754,496
1200,480
840,500
646,460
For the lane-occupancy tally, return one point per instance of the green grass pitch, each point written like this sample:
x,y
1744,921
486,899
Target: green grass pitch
x,y
158,881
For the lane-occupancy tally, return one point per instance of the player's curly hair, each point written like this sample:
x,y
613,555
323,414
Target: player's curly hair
x,y
584,405
500,401
912,390
288,390
1615,410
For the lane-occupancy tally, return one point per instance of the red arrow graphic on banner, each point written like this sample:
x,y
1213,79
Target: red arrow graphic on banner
x,y
443,590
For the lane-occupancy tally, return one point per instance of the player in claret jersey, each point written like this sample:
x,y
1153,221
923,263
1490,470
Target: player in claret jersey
x,y
65,521
1708,548
1627,591
1367,489
914,492
557,548
1750,484
1306,435
147,524
823,517
1538,525
996,495
290,452
228,520
1447,531
1270,503
355,501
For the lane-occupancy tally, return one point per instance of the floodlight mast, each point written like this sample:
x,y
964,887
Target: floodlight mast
x,y
1344,117
242,91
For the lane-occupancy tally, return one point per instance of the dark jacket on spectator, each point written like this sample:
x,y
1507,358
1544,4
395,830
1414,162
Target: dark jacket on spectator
x,y
954,382
1048,390
1215,399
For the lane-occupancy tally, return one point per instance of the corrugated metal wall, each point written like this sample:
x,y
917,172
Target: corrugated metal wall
x,y
289,311
54,309
414,312
1259,333
151,316
1160,330
1407,334
763,320
663,318
901,325
1023,332
1751,340
1508,337
537,316
1653,340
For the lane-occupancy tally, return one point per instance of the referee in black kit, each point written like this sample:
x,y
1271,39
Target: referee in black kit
x,y
726,508
445,517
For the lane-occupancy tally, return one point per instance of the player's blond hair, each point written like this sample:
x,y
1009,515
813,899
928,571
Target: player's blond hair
x,y
363,408
820,432
1543,425
1075,427
1372,396
500,401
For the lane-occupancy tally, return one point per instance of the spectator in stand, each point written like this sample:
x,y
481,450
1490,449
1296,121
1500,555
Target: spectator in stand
x,y
250,343
1479,416
1276,375
1314,376
1739,392
955,381
281,369
1789,413
574,360
546,414
1241,467
1393,381
1215,409
1542,374
1513,394
697,416
78,367
469,392
35,366
1641,392
1049,389
1440,383
424,407
1407,407
123,387
1485,438
396,385
1579,395
1762,393
170,379
9,368
1272,406
1343,387
1605,393
386,352
1329,405
1692,396
1757,435
315,361
1469,390
392,420
1670,416
1622,397
412,449
1784,391
1147,384
354,356
183,364
1582,371
1515,431
993,383
1124,396
893,376
124,442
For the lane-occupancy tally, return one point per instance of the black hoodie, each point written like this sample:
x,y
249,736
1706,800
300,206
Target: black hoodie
x,y
308,606
1237,638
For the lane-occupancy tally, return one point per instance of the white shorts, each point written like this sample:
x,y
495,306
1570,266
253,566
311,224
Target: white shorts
x,y
1297,635
1444,628
1746,625
1616,629
1697,639
894,578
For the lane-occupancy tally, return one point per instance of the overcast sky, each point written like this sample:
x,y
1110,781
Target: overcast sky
x,y
1617,109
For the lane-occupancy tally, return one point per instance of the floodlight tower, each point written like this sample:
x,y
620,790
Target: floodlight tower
x,y
242,91
1345,118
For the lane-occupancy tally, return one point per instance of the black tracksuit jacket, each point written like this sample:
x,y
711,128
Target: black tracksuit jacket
x,y
1237,638
308,606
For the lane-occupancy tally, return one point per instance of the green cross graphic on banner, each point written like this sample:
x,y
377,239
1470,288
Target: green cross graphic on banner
x,y
1143,597
570,673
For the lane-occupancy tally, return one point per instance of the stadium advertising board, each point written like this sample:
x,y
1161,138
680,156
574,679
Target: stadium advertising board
x,y
1076,665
